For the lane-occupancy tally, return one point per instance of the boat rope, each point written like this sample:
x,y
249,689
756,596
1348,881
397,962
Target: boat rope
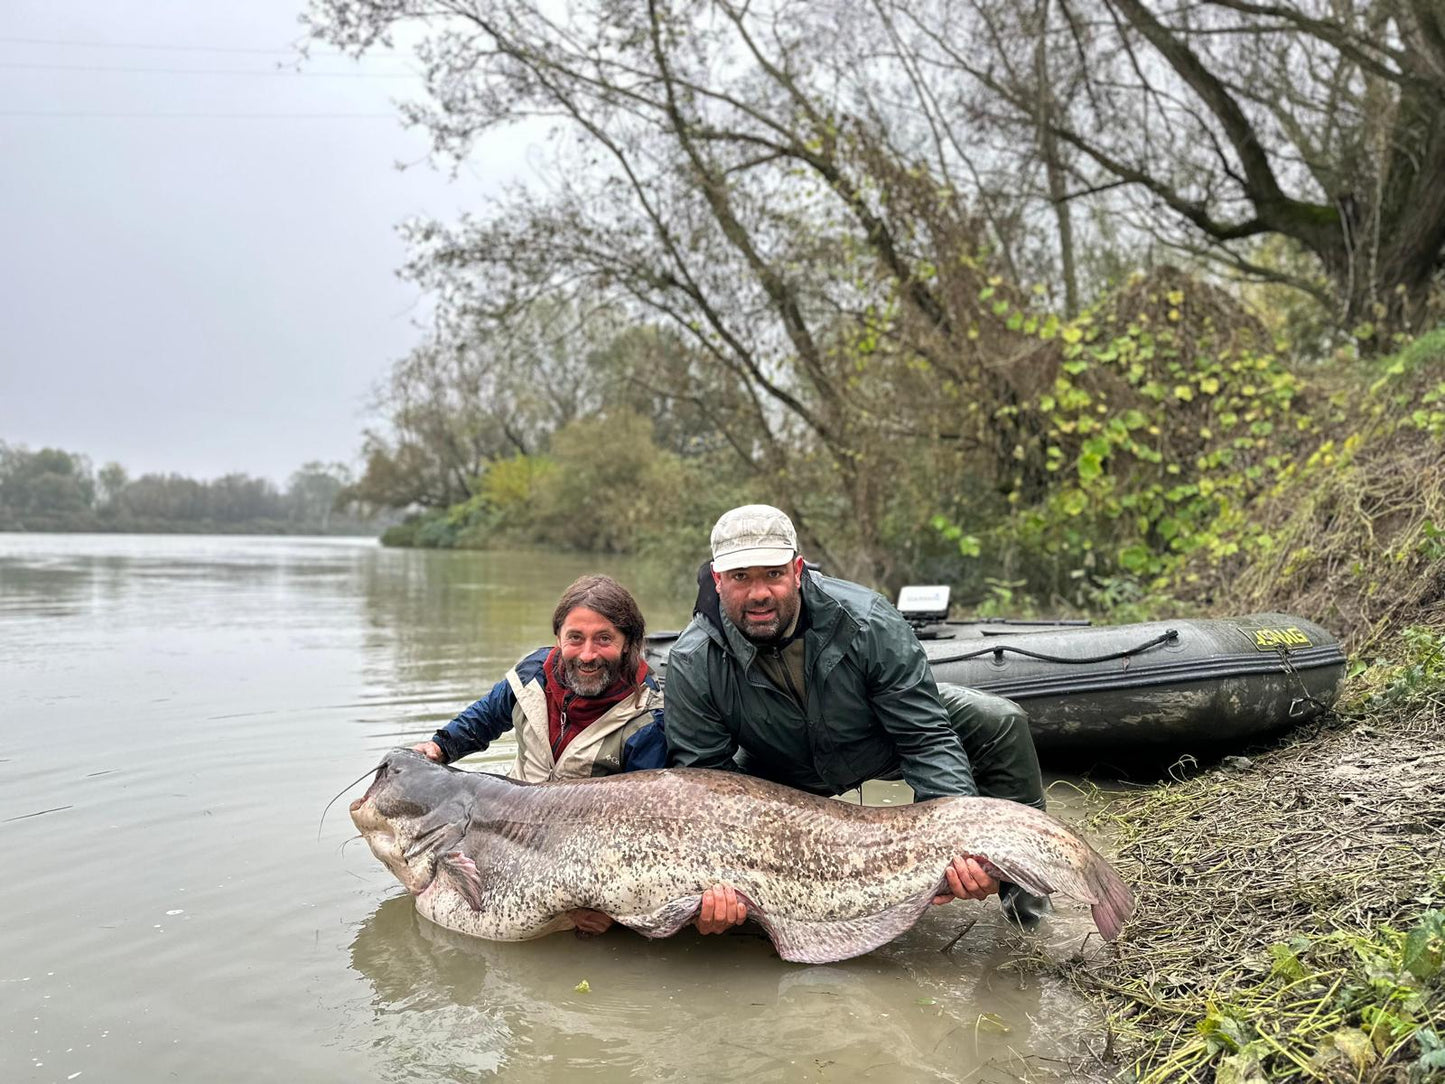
x,y
1168,636
1298,704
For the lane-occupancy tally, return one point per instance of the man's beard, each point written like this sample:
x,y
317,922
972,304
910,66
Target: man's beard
x,y
768,632
592,682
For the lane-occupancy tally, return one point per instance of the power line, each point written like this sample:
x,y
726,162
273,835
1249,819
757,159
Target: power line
x,y
289,51
203,71
197,116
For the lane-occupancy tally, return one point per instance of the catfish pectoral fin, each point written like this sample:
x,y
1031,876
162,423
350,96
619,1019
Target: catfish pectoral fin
x,y
461,873
825,942
667,919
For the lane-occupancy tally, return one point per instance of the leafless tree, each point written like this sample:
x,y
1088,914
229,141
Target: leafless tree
x,y
1228,121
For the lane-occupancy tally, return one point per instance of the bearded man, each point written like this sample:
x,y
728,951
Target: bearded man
x,y
585,706
821,684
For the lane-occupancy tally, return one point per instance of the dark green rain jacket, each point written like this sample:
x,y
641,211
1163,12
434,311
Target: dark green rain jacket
x,y
872,705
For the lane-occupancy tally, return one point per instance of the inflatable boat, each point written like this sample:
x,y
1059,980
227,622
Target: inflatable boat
x,y
1154,689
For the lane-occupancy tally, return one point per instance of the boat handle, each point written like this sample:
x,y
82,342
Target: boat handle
x,y
1168,636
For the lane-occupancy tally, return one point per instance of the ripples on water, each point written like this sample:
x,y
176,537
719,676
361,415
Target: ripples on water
x,y
176,711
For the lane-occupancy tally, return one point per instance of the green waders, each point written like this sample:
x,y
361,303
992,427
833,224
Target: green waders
x,y
995,735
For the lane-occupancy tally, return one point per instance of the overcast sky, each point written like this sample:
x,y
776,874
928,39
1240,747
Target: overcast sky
x,y
198,253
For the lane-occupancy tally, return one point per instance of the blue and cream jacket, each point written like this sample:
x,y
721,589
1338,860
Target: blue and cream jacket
x,y
627,738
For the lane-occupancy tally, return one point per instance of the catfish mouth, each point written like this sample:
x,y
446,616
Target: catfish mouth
x,y
379,830
385,771
371,790
405,821
365,813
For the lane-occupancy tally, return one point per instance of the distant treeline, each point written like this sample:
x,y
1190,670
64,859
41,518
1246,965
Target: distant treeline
x,y
55,490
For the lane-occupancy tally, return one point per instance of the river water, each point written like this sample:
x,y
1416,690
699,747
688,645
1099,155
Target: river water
x,y
176,711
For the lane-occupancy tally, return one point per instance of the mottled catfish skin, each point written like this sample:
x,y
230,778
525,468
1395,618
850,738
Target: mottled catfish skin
x,y
507,861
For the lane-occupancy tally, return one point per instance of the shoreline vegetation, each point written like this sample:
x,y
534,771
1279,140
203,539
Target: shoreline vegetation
x,y
1291,905
1291,918
52,490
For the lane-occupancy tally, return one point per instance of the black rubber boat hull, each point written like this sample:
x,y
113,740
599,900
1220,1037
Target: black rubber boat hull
x,y
1148,689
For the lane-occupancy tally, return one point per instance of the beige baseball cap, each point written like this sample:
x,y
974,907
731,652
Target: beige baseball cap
x,y
755,534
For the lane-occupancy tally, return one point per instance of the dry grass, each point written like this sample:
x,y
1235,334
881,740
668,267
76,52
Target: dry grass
x,y
1272,900
1354,549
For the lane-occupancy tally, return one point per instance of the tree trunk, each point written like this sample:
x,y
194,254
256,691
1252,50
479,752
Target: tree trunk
x,y
1053,166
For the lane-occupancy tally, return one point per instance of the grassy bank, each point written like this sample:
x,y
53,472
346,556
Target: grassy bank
x,y
1288,923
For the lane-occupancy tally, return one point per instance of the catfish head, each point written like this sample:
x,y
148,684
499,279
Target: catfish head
x,y
413,811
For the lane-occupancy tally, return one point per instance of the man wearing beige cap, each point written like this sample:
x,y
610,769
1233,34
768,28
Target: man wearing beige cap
x,y
821,684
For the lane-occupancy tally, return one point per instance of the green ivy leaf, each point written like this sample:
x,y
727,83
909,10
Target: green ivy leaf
x,y
1424,950
1135,558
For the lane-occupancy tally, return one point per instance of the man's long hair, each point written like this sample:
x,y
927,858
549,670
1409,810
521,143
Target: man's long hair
x,y
605,596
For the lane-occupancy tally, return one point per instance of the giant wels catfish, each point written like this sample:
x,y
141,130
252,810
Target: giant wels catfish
x,y
826,880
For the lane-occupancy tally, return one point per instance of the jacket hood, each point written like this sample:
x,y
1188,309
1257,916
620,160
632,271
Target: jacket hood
x,y
709,606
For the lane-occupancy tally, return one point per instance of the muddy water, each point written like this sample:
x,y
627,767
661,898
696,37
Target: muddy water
x,y
174,714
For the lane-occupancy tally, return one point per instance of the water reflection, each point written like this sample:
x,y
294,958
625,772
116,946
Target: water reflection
x,y
30,590
64,575
452,1006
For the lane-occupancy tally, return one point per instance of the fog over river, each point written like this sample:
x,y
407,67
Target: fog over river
x,y
175,712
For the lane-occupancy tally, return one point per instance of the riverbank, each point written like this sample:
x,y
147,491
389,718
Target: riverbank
x,y
1288,923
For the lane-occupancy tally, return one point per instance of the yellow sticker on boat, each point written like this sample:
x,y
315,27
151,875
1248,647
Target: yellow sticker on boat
x,y
1273,639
